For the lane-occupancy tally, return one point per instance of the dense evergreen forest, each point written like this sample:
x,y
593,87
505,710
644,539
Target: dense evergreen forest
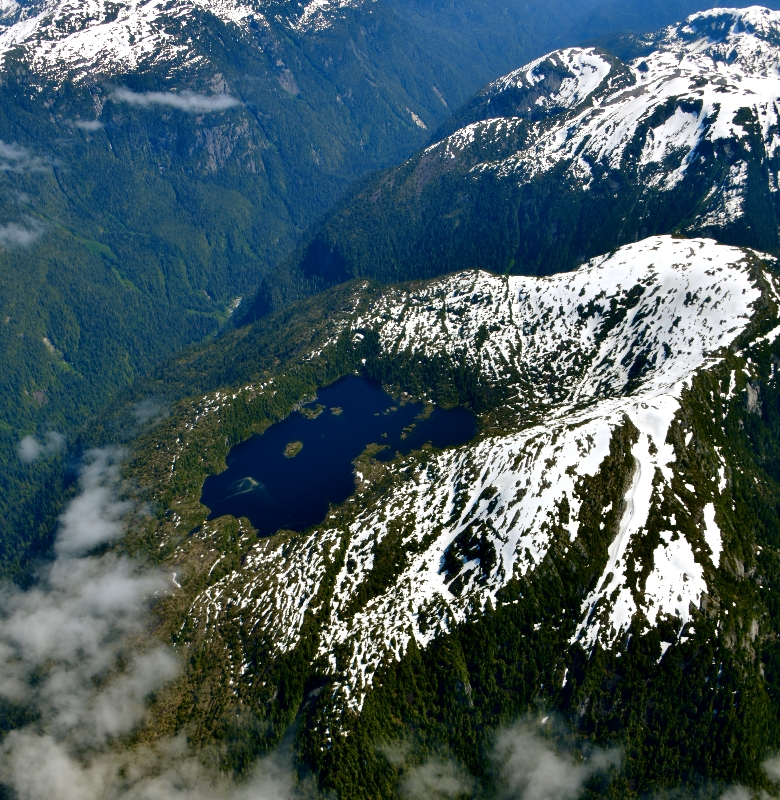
x,y
176,280
131,230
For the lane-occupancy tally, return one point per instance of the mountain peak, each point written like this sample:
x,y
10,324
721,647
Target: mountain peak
x,y
611,349
745,37
79,37
570,76
709,81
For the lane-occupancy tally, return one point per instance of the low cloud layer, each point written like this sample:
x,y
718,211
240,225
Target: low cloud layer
x,y
149,412
15,234
531,767
528,764
183,101
67,634
77,656
95,517
436,779
31,449
15,158
540,760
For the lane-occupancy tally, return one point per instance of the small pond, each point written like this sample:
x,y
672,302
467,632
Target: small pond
x,y
289,475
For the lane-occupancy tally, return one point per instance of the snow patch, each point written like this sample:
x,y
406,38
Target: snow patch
x,y
580,375
712,534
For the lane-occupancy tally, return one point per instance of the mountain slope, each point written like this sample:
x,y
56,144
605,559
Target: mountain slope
x,y
157,158
574,154
604,552
596,531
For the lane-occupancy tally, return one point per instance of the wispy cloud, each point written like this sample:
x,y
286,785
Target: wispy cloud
x,y
14,234
75,627
15,158
30,449
532,767
96,516
184,101
88,124
72,655
531,760
436,779
150,412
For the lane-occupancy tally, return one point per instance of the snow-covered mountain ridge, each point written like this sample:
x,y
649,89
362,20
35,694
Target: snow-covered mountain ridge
x,y
606,351
577,153
76,38
712,80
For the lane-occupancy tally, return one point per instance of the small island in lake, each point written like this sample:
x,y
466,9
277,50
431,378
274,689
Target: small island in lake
x,y
293,449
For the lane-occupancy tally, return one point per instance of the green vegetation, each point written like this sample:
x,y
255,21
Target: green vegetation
x,y
703,716
131,240
434,215
143,247
293,449
312,413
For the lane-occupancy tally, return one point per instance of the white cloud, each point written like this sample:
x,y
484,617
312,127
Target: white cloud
x,y
532,767
15,235
150,412
772,768
95,517
529,764
72,654
88,124
739,793
436,779
184,101
15,158
29,449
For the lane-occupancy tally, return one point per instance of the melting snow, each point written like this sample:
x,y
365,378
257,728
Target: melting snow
x,y
688,91
583,366
712,534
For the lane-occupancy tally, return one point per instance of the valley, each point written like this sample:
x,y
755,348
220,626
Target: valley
x,y
469,490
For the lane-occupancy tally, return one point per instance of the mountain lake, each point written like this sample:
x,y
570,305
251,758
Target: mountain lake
x,y
288,476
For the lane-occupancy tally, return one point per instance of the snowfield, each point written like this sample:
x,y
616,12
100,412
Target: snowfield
x,y
75,38
692,89
608,347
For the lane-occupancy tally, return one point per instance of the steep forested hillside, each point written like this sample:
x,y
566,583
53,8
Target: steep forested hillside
x,y
571,156
604,549
580,600
156,159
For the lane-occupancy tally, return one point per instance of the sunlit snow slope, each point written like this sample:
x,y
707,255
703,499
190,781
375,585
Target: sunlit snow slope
x,y
61,37
607,348
714,78
575,154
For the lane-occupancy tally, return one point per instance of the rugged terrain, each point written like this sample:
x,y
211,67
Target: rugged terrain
x,y
572,155
613,522
586,590
157,158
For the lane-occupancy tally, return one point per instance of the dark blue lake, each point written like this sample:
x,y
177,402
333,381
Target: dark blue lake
x,y
293,491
